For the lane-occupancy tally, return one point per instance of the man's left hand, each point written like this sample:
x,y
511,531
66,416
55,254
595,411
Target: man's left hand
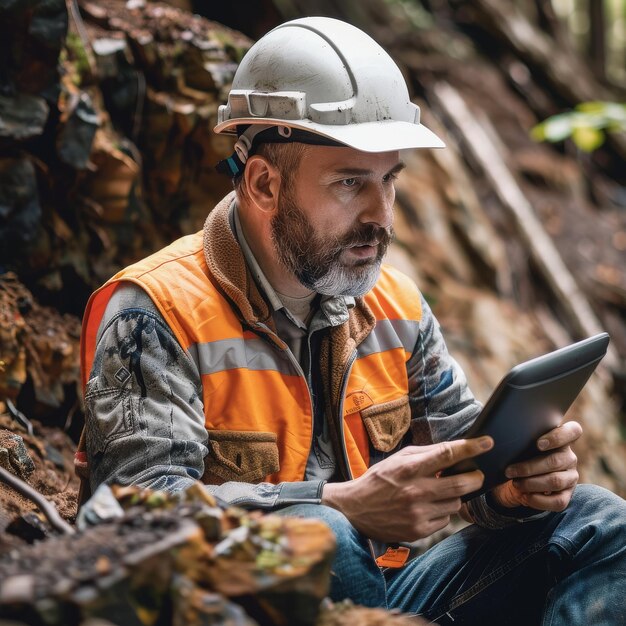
x,y
545,482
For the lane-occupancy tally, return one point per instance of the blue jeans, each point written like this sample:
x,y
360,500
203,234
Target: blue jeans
x,y
566,568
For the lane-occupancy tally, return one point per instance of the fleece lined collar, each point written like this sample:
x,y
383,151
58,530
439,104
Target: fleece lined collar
x,y
255,269
228,268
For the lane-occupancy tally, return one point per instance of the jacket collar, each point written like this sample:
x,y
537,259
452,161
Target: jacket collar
x,y
228,269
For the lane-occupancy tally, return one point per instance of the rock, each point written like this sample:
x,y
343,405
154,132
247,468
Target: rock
x,y
347,614
20,209
156,564
37,342
14,456
22,117
79,124
31,37
28,527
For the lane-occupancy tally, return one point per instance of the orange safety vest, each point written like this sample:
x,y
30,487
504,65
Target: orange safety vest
x,y
257,404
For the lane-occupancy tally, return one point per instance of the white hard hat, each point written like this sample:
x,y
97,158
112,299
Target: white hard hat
x,y
329,78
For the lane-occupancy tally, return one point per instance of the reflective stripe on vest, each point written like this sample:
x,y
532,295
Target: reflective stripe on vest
x,y
249,384
255,353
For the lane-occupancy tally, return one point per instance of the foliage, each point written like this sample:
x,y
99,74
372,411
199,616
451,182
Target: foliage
x,y
75,51
587,124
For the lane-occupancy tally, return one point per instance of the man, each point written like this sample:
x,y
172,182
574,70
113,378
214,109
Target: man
x,y
274,357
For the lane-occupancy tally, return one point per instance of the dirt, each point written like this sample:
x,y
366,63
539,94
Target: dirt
x,y
51,453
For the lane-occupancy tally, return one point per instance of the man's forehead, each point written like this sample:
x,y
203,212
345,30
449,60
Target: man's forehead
x,y
349,160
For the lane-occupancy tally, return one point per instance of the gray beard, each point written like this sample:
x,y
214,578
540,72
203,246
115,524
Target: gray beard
x,y
346,281
316,262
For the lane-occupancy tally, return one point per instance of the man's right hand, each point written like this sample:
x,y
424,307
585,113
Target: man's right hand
x,y
402,498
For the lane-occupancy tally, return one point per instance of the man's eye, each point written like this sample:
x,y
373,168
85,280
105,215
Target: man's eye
x,y
389,178
349,182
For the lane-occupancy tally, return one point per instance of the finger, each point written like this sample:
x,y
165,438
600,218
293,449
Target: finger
x,y
429,517
563,435
553,502
555,461
433,525
548,483
457,485
433,510
426,527
447,453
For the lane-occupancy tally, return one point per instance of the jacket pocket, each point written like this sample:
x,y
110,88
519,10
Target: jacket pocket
x,y
242,456
109,415
387,423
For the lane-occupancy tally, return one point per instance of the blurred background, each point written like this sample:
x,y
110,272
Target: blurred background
x,y
516,232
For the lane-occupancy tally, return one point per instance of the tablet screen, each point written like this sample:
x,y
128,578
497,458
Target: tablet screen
x,y
529,401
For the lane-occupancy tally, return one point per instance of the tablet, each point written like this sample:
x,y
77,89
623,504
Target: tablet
x,y
529,401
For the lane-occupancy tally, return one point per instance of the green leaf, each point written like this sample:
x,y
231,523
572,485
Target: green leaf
x,y
595,106
537,132
616,113
587,124
587,138
608,110
558,127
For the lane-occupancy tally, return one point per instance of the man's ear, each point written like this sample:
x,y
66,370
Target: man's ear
x,y
262,183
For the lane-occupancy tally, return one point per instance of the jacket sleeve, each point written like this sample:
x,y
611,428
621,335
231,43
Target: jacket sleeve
x,y
145,415
442,405
443,408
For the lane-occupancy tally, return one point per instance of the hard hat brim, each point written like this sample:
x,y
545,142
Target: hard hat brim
x,y
383,136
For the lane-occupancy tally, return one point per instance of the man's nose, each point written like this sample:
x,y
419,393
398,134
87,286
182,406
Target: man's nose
x,y
379,208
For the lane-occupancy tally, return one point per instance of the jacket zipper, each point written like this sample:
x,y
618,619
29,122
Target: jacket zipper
x,y
344,384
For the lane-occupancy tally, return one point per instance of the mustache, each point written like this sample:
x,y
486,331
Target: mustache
x,y
368,235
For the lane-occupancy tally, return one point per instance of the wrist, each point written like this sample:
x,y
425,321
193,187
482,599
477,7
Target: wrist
x,y
506,507
331,495
503,497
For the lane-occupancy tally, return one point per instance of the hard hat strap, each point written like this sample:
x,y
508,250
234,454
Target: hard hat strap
x,y
253,135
